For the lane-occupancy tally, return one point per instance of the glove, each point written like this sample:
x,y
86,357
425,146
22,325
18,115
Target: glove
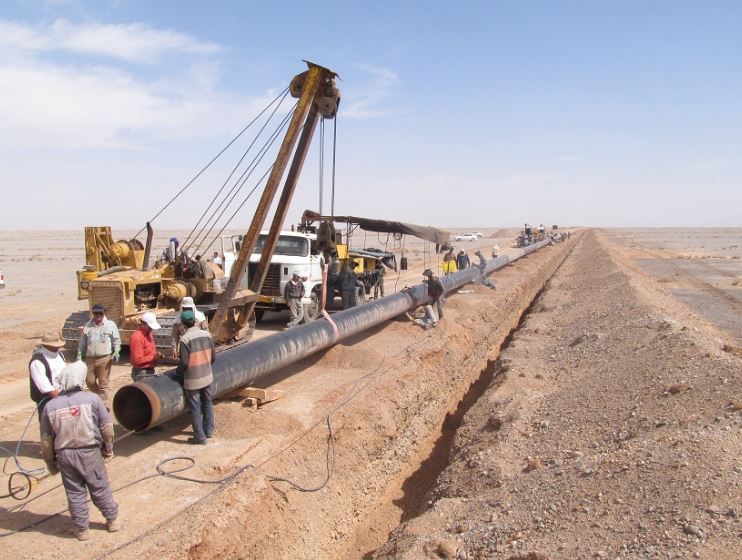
x,y
52,468
79,356
116,354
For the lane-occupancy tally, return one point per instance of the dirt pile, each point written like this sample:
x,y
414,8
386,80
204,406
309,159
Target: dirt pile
x,y
612,433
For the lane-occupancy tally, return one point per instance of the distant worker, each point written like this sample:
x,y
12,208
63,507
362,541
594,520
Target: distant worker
x,y
462,260
449,262
202,269
142,348
186,304
482,267
349,285
100,344
76,440
435,291
196,354
44,368
293,293
171,251
379,281
217,260
495,250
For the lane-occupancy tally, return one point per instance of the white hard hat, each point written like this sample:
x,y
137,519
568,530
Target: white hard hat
x,y
150,320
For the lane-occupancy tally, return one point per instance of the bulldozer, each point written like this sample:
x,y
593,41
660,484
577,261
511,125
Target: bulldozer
x,y
118,275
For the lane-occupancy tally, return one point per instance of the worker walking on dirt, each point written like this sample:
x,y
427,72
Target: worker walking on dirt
x,y
76,436
462,260
293,293
143,353
435,291
196,354
449,262
379,283
186,304
482,267
100,344
495,250
44,368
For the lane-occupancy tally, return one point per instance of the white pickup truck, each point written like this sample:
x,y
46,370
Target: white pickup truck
x,y
466,237
295,252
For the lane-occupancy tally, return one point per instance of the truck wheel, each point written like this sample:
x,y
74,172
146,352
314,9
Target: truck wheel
x,y
312,310
259,315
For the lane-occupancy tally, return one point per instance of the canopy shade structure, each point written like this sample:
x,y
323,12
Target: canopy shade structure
x,y
428,233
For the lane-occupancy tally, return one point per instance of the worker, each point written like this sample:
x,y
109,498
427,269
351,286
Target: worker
x,y
143,353
293,294
495,250
462,260
349,285
449,262
379,280
482,267
435,291
171,251
186,304
196,354
76,440
44,368
217,260
100,344
424,316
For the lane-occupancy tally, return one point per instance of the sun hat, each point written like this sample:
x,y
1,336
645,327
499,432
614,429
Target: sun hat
x,y
150,320
187,302
52,338
73,376
428,272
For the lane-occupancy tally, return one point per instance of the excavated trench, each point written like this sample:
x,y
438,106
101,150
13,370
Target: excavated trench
x,y
417,487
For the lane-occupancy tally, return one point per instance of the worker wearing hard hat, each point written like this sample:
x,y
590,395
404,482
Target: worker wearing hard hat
x,y
142,348
186,304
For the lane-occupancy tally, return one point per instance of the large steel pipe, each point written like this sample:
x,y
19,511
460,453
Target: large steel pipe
x,y
145,404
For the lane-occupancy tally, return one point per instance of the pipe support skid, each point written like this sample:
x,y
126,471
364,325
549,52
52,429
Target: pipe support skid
x,y
147,403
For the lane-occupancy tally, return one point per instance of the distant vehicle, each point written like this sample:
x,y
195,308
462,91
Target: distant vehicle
x,y
2,279
478,234
465,237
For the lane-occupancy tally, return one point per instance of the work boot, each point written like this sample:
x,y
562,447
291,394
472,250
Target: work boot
x,y
113,525
82,534
194,441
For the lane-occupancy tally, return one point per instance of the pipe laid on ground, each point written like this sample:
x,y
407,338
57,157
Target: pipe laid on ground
x,y
147,403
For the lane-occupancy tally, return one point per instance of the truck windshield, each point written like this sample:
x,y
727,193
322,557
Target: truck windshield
x,y
288,246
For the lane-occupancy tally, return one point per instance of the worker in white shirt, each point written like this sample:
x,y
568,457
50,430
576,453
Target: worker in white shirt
x,y
44,368
217,260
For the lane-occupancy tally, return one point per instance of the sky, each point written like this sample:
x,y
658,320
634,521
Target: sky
x,y
463,115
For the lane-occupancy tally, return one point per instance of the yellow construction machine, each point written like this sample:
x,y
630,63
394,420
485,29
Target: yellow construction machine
x,y
118,275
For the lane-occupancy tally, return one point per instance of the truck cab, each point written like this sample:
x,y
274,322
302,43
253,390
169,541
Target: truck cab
x,y
295,252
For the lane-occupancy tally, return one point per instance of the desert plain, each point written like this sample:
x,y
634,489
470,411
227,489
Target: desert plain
x,y
589,407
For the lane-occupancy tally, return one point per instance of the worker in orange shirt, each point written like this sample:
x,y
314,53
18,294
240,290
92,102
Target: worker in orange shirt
x,y
142,348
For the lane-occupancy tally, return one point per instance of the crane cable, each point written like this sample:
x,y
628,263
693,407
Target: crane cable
x,y
224,149
238,185
249,194
234,170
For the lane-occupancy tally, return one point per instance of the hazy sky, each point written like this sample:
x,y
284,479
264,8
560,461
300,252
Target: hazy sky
x,y
462,114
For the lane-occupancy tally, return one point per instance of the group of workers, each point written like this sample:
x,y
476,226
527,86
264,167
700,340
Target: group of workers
x,y
76,427
461,261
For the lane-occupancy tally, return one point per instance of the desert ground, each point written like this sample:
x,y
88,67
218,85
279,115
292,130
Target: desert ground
x,y
590,407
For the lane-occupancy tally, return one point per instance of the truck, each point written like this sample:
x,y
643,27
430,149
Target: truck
x,y
295,252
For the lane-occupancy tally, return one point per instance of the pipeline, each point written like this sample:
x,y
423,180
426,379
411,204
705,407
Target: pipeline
x,y
156,400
